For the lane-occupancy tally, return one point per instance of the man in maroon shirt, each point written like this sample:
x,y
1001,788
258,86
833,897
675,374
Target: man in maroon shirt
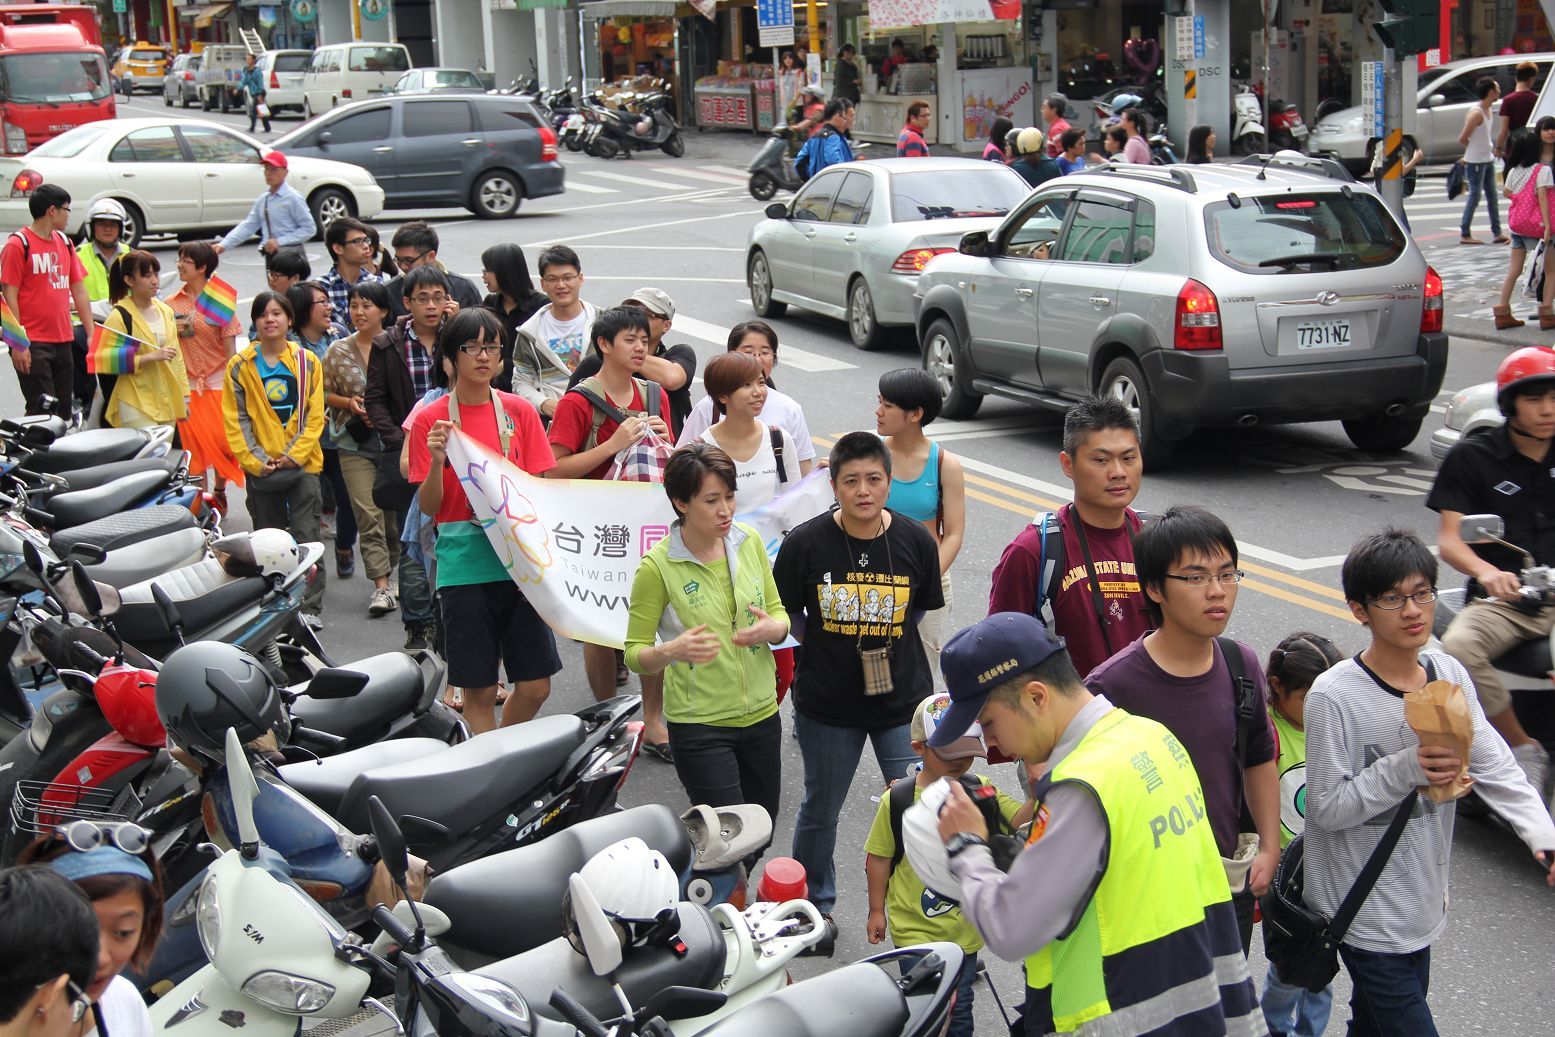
x,y
1517,106
1082,585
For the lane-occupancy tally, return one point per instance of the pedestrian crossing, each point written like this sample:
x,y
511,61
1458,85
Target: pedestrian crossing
x,y
584,176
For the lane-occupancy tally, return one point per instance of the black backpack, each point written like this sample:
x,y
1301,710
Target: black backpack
x,y
1002,842
1051,559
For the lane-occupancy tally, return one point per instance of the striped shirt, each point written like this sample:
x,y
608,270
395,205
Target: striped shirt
x,y
910,144
1361,763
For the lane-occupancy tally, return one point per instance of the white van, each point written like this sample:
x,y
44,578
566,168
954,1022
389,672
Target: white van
x,y
344,72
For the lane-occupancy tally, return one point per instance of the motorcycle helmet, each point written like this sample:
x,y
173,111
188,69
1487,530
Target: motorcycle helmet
x,y
206,687
1525,370
107,209
264,552
1029,141
922,844
634,886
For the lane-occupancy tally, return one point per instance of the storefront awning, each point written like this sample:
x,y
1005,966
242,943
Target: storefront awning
x,y
535,5
602,9
204,14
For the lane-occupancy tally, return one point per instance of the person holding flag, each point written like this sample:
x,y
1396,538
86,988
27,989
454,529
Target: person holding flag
x,y
207,346
139,342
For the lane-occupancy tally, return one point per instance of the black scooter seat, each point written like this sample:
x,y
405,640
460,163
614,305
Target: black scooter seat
x,y
860,1000
85,449
101,475
494,918
141,623
325,782
394,687
644,971
466,784
79,506
127,527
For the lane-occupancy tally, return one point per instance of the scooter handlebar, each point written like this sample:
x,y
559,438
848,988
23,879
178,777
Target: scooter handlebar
x,y
392,925
319,738
576,1014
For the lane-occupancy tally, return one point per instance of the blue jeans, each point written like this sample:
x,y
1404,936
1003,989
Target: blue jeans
x,y
1481,180
1388,999
1294,1011
340,498
831,756
415,591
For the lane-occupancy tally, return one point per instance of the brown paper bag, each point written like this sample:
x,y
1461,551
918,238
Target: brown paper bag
x,y
1439,715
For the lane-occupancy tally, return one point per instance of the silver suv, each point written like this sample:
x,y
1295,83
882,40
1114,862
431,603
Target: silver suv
x,y
1264,292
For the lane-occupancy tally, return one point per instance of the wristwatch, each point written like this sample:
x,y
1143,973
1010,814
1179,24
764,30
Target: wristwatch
x,y
961,841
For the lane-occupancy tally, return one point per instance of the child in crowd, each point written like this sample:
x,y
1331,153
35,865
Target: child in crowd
x,y
1292,1011
898,900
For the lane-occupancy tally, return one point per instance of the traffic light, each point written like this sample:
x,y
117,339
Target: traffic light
x,y
1409,26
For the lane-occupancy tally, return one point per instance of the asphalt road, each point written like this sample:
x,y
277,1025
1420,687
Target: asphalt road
x,y
1296,497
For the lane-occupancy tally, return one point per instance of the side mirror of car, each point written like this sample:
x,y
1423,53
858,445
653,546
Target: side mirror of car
x,y
1436,100
777,211
325,136
974,243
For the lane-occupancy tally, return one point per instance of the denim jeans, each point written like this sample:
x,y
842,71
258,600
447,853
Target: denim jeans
x,y
1388,999
831,755
1481,180
721,766
1294,1011
415,591
339,500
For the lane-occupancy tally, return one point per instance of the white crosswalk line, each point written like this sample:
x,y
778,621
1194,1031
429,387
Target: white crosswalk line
x,y
573,185
789,357
626,178
697,174
741,173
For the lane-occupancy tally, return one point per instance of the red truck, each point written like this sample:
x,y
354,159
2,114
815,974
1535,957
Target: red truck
x,y
53,73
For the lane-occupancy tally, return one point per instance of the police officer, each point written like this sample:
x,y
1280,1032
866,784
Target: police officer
x,y
1119,902
100,246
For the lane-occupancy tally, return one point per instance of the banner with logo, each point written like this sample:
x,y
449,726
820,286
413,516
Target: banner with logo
x,y
572,545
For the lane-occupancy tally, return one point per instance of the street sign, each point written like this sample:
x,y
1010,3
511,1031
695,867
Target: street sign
x,y
119,7
1198,37
1183,26
1372,95
775,22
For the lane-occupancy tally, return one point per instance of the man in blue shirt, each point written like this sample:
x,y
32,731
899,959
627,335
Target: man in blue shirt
x,y
829,147
280,216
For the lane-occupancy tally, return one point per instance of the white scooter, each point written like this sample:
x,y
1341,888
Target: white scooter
x,y
1249,137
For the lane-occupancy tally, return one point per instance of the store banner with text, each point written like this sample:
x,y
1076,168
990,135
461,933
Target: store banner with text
x,y
572,545
899,14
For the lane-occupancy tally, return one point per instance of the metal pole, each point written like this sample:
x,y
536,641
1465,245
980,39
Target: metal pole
x,y
1392,185
1267,87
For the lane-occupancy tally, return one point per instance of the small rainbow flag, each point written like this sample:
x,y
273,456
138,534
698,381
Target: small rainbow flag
x,y
11,331
112,352
217,302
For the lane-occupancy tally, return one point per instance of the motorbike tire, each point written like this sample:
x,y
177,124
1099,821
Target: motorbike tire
x,y
675,146
606,148
1252,144
19,761
574,141
763,186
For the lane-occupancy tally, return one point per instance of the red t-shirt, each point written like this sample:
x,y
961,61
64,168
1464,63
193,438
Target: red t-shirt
x,y
1054,132
575,416
42,283
1123,601
527,447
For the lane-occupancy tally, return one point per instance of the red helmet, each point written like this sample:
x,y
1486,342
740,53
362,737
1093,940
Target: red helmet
x,y
1522,370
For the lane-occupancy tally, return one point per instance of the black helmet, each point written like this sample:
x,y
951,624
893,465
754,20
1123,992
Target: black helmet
x,y
206,687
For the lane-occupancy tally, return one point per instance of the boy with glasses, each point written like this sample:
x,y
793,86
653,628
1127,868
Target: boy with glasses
x,y
49,943
415,244
1363,761
42,278
1181,676
560,330
350,243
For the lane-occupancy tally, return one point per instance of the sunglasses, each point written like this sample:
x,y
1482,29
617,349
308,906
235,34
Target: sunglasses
x,y
82,835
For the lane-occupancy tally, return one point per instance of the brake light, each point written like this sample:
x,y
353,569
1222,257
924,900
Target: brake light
x,y
27,180
275,82
1305,203
1198,318
1432,312
188,77
547,144
915,259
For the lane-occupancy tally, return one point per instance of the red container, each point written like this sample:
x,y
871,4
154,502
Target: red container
x,y
782,879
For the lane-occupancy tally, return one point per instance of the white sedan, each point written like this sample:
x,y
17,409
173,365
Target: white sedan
x,y
175,176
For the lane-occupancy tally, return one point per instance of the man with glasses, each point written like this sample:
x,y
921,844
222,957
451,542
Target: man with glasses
x,y
672,367
560,330
49,943
280,215
350,244
1184,676
415,244
43,278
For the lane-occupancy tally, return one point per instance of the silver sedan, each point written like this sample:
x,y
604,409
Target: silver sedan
x,y
857,235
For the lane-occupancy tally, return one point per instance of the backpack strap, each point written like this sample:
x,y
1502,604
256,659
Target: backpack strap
x,y
1246,694
1050,558
776,434
593,390
500,415
899,799
939,488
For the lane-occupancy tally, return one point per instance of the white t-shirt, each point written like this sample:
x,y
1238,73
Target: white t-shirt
x,y
123,1007
780,410
566,338
758,478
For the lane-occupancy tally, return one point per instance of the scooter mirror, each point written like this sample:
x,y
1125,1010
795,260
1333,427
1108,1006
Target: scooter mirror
x,y
37,436
601,945
33,557
86,587
240,778
1480,529
171,617
683,1003
391,841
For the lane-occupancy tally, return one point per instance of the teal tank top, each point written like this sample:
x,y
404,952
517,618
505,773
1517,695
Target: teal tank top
x,y
918,498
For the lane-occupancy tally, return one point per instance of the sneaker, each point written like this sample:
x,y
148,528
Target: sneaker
x,y
623,675
345,563
1535,762
327,526
382,602
314,621
827,943
418,637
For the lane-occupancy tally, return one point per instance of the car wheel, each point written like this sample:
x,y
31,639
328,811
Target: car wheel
x,y
496,196
763,186
329,205
758,277
134,224
675,147
183,99
1124,381
945,359
865,331
1382,434
307,109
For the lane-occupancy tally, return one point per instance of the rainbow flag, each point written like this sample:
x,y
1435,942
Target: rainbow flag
x,y
217,302
11,331
112,352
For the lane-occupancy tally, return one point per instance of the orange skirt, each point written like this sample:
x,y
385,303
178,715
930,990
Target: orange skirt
x,y
204,435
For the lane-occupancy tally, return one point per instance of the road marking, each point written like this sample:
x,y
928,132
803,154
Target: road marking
x,y
628,179
621,231
671,248
791,357
573,185
697,174
690,196
655,278
741,173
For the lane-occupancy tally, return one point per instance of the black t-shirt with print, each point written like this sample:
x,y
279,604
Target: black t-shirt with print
x,y
819,572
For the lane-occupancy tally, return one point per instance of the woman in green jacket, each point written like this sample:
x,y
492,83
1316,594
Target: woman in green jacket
x,y
706,611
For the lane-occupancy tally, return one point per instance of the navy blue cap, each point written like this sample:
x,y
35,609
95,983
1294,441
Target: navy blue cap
x,y
984,656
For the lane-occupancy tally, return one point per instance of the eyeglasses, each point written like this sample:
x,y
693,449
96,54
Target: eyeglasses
x,y
1203,579
481,349
357,241
1394,602
426,300
759,354
409,261
559,279
82,835
79,1002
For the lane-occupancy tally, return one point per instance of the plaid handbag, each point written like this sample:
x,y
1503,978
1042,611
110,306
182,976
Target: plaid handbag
x,y
644,460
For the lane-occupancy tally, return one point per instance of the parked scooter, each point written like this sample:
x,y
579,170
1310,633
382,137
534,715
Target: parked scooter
x,y
642,123
1287,132
1161,151
1247,135
772,170
56,452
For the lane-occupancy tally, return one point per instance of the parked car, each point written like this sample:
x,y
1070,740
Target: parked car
x,y
1444,97
344,72
283,72
1287,295
175,176
141,66
483,152
1469,411
439,81
856,236
221,76
181,84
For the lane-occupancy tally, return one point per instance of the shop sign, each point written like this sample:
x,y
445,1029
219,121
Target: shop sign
x,y
724,110
907,13
1198,37
1373,95
304,10
775,22
374,10
1182,31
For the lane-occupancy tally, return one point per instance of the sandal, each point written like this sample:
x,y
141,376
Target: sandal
x,y
453,698
1465,240
1500,239
502,694
660,751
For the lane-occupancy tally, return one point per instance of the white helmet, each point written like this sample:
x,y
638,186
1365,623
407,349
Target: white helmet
x,y
264,552
630,881
924,847
107,209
